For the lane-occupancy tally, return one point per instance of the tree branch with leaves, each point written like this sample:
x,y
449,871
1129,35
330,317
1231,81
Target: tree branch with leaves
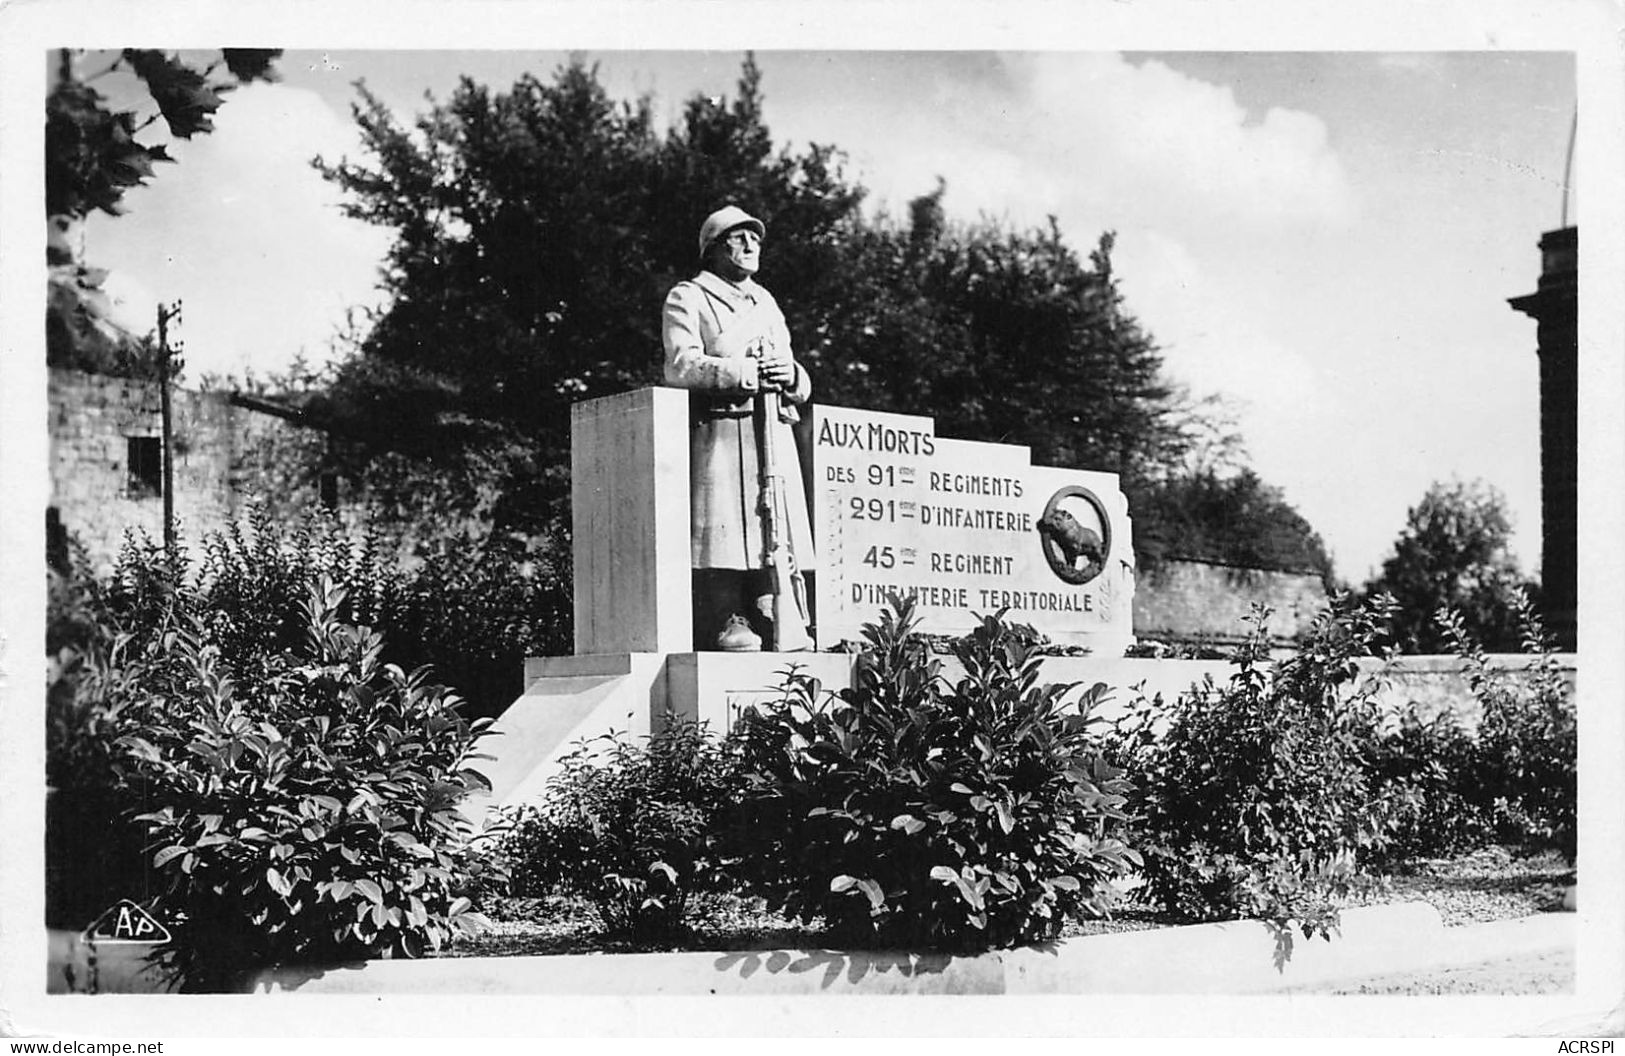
x,y
93,157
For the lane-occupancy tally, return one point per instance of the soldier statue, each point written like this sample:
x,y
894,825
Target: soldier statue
x,y
726,341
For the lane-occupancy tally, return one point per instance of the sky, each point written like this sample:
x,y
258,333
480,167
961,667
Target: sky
x,y
1326,240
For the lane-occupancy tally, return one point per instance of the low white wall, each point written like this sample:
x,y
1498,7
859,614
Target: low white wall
x,y
1237,957
714,687
568,699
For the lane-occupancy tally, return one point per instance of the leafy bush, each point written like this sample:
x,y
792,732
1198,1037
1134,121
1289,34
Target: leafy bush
x,y
476,612
473,611
75,605
257,573
1418,765
91,856
246,592
245,600
1254,801
628,827
910,812
1524,775
106,639
305,817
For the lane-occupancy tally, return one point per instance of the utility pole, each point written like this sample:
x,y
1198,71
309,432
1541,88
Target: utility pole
x,y
165,355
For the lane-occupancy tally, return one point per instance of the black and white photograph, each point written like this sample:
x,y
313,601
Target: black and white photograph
x,y
842,520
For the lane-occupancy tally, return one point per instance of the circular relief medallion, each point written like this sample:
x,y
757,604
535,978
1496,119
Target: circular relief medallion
x,y
1076,534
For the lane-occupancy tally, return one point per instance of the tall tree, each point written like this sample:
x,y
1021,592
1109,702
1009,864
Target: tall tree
x,y
1455,550
537,232
1231,518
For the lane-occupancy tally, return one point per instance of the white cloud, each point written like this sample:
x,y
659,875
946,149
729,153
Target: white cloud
x,y
248,235
1102,144
1209,337
1147,140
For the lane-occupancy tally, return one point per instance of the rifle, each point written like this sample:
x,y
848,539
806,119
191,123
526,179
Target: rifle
x,y
789,590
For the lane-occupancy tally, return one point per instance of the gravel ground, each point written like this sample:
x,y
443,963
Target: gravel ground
x,y
1491,884
1535,973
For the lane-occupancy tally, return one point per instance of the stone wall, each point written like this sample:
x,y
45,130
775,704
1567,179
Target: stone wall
x,y
1434,684
218,448
1184,601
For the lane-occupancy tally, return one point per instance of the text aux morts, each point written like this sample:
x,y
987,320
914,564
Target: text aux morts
x,y
875,436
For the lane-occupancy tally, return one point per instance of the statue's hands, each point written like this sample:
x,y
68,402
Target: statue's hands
x,y
776,369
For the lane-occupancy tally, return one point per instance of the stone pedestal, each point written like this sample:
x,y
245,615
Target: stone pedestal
x,y
629,497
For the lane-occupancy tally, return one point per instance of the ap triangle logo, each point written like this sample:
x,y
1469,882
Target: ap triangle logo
x,y
124,921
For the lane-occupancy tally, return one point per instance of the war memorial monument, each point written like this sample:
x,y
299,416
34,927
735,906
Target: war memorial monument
x,y
705,570
966,528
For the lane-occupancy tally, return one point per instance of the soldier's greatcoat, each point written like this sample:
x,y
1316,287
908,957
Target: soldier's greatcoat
x,y
711,327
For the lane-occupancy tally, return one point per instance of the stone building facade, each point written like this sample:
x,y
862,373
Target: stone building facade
x,y
1555,307
106,459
